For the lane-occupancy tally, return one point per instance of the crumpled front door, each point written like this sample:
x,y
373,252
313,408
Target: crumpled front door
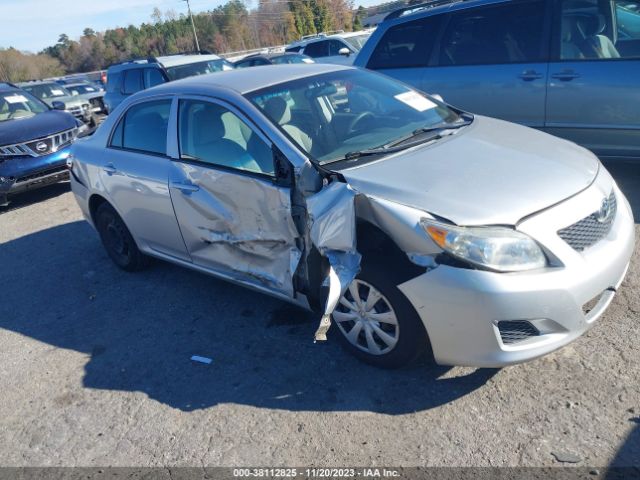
x,y
236,224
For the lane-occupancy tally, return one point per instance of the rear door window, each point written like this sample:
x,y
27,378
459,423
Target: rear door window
x,y
153,77
132,81
113,82
144,128
316,49
511,33
407,45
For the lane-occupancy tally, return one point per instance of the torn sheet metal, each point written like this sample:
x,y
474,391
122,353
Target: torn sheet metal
x,y
402,224
332,222
251,235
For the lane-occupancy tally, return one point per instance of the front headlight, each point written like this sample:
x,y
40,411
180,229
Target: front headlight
x,y
494,248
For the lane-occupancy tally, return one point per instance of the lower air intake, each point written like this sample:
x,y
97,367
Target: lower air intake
x,y
514,331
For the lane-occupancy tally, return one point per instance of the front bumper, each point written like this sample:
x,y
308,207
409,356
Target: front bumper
x,y
25,173
461,308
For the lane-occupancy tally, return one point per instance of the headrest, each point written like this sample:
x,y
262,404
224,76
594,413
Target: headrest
x,y
207,125
592,24
278,109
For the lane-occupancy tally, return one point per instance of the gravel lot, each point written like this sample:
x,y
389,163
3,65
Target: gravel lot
x,y
95,370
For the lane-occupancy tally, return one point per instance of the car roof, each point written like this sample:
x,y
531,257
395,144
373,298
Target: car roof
x,y
4,86
433,7
175,60
39,82
244,80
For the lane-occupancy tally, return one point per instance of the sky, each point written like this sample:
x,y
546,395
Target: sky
x,y
32,25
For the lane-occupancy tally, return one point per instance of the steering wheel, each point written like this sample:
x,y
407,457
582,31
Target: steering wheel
x,y
353,125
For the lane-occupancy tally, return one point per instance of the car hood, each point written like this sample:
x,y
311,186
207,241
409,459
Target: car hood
x,y
41,125
489,173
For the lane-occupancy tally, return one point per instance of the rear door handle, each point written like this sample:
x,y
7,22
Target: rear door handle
x,y
565,75
109,169
529,75
185,188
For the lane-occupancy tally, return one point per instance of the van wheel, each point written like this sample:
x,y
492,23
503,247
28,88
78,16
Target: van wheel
x,y
377,323
117,240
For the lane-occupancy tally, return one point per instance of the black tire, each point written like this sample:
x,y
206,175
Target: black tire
x,y
412,338
117,240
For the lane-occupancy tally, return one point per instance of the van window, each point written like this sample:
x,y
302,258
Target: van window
x,y
407,45
509,33
590,31
113,82
132,81
316,49
153,77
144,128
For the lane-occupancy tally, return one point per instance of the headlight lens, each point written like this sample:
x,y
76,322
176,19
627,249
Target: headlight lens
x,y
495,248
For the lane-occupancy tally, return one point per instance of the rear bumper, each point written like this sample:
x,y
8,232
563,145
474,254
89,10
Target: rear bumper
x,y
20,174
461,308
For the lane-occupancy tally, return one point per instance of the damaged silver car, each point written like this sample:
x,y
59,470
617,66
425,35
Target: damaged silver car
x,y
408,224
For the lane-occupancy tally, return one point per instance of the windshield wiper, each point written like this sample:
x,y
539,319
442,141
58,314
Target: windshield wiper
x,y
397,144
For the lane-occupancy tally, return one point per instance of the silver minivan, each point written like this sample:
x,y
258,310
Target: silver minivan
x,y
412,225
568,67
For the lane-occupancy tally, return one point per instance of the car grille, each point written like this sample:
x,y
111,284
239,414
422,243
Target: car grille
x,y
44,173
590,230
514,331
41,146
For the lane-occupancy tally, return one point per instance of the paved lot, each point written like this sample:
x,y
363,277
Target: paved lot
x,y
95,370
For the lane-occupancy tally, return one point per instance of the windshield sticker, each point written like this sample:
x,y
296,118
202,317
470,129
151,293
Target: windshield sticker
x,y
415,101
55,91
16,99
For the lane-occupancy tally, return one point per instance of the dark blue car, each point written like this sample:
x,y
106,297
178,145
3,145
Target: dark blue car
x,y
34,142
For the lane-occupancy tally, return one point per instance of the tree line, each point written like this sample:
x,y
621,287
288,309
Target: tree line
x,y
229,27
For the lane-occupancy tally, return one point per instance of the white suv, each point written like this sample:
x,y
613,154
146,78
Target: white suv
x,y
331,47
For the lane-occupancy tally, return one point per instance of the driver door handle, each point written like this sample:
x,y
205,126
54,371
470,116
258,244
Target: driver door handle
x,y
565,75
185,188
109,169
529,75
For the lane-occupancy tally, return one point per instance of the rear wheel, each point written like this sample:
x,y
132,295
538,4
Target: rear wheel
x,y
376,321
117,240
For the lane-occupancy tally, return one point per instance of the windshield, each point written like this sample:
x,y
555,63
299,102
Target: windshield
x,y
357,41
292,59
81,89
198,68
333,114
47,90
18,104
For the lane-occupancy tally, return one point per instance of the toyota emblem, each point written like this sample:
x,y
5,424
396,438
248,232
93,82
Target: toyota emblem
x,y
605,211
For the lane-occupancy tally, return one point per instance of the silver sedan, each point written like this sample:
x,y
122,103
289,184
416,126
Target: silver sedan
x,y
410,225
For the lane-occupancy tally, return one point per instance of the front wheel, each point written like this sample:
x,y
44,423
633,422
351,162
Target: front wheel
x,y
117,240
377,323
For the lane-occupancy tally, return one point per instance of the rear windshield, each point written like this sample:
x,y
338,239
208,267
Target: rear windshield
x,y
198,68
47,90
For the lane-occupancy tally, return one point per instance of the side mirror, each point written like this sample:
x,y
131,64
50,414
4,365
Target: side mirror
x,y
438,97
344,51
58,105
74,94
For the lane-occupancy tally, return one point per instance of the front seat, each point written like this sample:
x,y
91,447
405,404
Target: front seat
x,y
279,111
597,45
210,144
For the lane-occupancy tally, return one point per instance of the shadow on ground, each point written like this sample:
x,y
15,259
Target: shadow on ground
x,y
140,331
34,196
